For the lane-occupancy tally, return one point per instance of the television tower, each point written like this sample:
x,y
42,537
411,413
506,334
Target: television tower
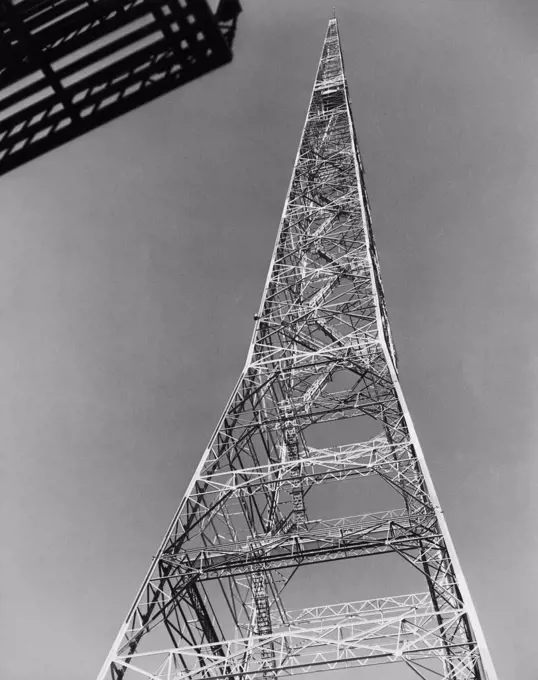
x,y
283,509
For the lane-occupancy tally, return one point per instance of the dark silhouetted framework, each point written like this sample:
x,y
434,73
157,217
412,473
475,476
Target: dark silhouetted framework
x,y
67,66
314,485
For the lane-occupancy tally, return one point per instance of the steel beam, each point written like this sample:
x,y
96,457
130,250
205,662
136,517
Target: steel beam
x,y
69,66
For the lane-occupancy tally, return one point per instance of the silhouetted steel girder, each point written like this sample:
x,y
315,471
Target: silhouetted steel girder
x,y
68,66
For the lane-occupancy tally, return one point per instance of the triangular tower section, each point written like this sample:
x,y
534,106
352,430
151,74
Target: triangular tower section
x,y
313,467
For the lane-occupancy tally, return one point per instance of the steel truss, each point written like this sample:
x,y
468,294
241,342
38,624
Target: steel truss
x,y
67,66
213,604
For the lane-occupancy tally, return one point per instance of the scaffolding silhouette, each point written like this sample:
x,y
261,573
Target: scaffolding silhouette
x,y
68,66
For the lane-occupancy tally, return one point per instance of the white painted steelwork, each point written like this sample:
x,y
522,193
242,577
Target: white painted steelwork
x,y
214,602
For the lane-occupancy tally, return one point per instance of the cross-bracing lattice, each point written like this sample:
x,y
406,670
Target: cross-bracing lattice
x,y
215,602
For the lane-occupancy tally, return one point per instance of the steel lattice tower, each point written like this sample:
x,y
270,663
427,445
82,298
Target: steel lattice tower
x,y
318,406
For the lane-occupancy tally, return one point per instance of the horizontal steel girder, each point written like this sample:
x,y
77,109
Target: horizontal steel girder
x,y
383,630
317,541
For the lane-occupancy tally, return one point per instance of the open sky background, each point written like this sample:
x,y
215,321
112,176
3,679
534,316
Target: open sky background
x,y
133,259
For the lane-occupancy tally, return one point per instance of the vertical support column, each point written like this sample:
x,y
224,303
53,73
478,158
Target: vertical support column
x,y
291,451
262,620
261,603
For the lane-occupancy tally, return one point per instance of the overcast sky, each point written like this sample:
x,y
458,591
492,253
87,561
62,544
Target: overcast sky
x,y
133,259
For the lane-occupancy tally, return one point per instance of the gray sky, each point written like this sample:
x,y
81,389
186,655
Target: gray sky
x,y
133,259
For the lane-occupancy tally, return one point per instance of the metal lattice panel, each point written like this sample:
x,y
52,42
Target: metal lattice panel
x,y
321,365
67,66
